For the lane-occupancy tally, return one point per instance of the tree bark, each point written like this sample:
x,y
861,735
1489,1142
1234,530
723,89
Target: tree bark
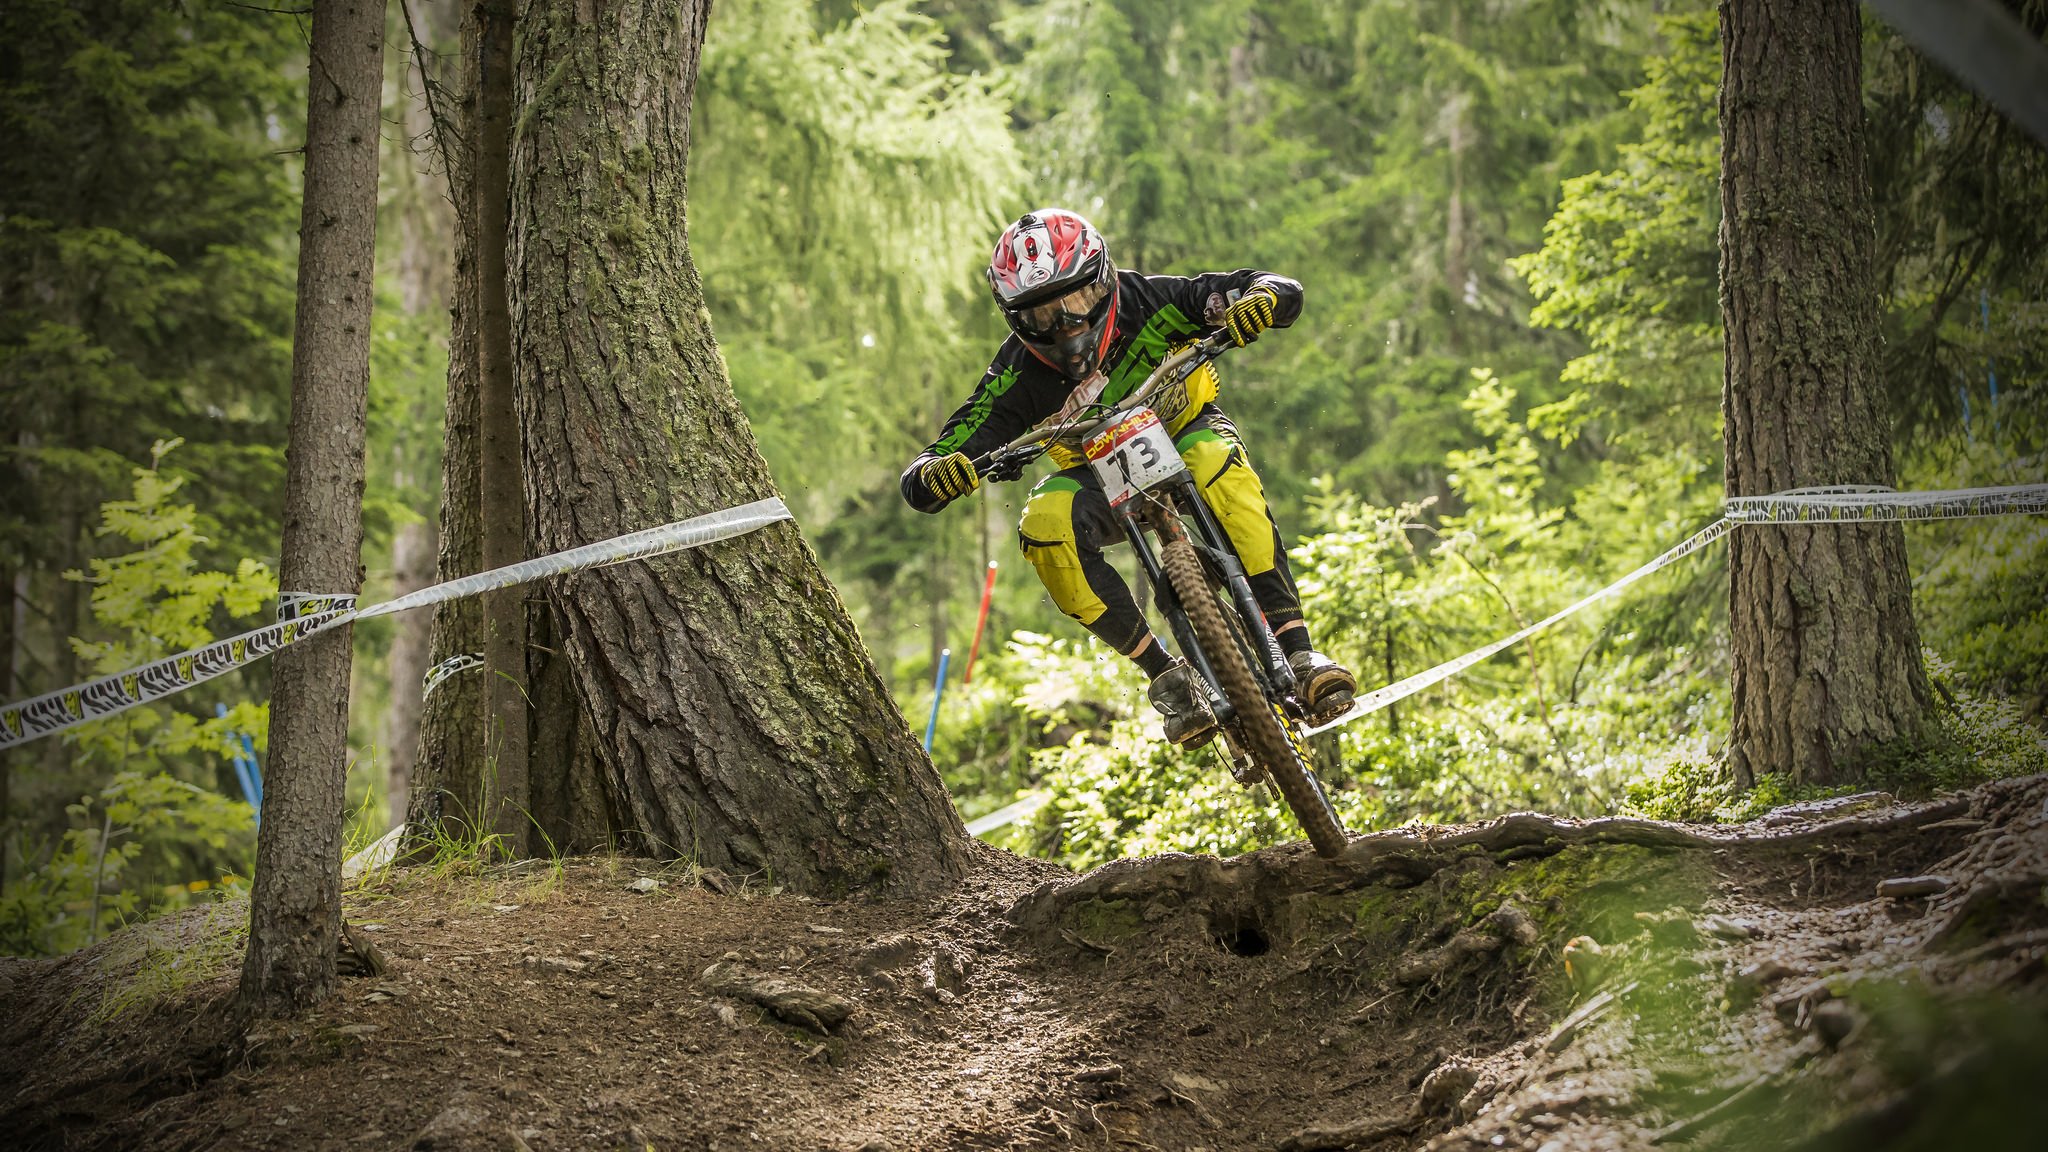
x,y
571,810
503,486
739,719
1826,656
412,563
295,902
426,227
447,776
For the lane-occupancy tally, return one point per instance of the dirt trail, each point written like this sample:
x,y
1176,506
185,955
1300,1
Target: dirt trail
x,y
1725,988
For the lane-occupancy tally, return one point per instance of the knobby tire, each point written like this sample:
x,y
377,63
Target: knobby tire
x,y
1258,719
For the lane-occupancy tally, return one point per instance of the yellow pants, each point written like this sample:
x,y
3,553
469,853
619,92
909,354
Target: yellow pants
x,y
1068,522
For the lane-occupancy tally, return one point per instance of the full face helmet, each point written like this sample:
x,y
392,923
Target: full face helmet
x,y
1053,280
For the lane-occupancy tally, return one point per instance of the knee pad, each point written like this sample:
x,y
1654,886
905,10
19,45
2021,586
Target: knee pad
x,y
1048,537
1233,492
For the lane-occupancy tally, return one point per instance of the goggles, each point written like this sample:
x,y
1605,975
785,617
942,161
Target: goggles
x,y
1081,306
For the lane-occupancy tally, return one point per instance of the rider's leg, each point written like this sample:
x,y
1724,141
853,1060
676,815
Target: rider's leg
x,y
1232,490
1067,522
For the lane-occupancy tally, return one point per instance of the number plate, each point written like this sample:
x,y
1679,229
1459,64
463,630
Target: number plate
x,y
1132,455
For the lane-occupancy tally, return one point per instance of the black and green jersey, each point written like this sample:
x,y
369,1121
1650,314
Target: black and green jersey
x,y
1154,314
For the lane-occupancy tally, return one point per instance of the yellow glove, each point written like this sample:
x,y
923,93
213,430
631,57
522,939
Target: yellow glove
x,y
949,477
1251,315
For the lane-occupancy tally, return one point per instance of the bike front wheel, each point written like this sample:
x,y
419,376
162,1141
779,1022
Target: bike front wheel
x,y
1266,732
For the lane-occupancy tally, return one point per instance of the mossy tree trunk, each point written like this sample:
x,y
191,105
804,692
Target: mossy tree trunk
x,y
739,719
1825,654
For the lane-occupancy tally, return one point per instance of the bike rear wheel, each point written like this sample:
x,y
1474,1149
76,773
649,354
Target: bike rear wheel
x,y
1264,730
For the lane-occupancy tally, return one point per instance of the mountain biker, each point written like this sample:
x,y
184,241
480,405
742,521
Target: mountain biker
x,y
1083,332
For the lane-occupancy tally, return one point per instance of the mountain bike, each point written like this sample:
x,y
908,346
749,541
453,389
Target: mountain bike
x,y
1201,586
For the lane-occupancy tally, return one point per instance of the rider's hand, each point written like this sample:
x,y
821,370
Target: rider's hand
x,y
1251,315
949,477
1006,468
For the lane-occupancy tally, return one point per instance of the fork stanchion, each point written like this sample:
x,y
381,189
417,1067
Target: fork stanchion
x,y
988,589
938,691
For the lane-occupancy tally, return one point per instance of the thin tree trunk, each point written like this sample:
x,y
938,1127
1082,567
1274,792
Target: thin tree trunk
x,y
412,562
426,227
447,778
740,720
295,903
1826,657
504,522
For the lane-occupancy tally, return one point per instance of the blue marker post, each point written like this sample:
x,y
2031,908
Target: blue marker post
x,y
246,772
938,690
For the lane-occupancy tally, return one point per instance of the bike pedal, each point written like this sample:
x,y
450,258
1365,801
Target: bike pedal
x,y
1337,705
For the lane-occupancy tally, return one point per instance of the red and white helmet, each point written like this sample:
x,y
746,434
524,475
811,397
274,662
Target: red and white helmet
x,y
1053,279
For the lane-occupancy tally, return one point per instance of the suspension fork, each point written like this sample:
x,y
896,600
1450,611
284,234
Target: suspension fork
x,y
1222,553
1176,616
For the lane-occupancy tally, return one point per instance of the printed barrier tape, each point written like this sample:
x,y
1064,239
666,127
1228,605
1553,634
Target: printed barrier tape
x,y
304,614
1840,505
447,670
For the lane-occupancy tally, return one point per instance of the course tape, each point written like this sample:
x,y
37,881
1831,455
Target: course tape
x,y
1844,505
1861,504
297,605
447,670
54,712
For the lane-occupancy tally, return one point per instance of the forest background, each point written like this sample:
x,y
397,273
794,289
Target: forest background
x,y
1504,391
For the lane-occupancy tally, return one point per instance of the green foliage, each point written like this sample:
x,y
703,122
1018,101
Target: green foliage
x,y
1389,155
158,961
157,602
1980,587
1976,739
1629,258
846,187
132,836
155,832
148,216
146,224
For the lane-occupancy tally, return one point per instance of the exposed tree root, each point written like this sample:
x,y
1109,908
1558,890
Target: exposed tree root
x,y
1414,854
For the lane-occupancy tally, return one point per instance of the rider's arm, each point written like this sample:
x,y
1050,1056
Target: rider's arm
x,y
1206,298
999,411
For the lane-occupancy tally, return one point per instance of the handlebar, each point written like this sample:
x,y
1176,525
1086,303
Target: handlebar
x,y
1178,366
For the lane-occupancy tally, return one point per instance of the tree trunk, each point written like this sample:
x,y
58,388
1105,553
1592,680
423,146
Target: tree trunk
x,y
739,719
503,486
447,777
295,903
570,808
1825,653
426,226
412,563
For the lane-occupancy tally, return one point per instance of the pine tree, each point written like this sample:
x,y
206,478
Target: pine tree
x,y
740,721
295,900
1826,658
